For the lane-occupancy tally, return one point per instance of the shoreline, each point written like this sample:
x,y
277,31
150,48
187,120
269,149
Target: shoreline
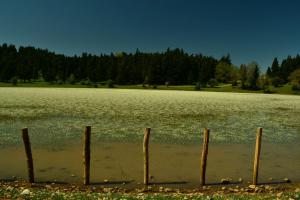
x,y
174,165
227,88
14,190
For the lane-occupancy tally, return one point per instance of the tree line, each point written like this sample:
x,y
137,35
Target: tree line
x,y
287,71
172,67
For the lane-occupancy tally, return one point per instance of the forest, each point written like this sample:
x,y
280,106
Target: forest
x,y
171,67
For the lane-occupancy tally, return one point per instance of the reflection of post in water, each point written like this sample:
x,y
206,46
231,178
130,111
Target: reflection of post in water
x,y
26,142
146,155
204,156
257,155
87,155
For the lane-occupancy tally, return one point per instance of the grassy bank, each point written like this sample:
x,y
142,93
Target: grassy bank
x,y
286,89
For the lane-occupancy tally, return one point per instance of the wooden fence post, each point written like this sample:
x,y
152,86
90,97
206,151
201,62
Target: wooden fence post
x,y
87,155
257,155
26,142
146,155
204,156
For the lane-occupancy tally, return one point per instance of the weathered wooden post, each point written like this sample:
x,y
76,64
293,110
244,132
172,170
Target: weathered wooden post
x,y
204,156
26,142
257,155
146,155
86,155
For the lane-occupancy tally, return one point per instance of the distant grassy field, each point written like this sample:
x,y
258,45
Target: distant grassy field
x,y
286,89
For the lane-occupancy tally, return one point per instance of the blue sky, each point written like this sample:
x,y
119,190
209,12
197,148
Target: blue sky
x,y
249,30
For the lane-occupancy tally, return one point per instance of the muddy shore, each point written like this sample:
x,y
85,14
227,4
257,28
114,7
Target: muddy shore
x,y
171,165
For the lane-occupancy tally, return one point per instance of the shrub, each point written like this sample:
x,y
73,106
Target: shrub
x,y
110,83
102,83
212,82
14,80
198,86
295,79
277,82
234,83
269,91
295,87
85,82
71,79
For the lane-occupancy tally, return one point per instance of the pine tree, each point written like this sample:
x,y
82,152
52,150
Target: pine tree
x,y
275,68
269,72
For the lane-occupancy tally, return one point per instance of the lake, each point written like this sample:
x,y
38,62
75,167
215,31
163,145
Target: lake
x,y
56,118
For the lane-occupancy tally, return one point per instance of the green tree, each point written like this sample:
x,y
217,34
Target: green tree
x,y
173,66
243,75
226,59
294,78
264,83
275,68
253,75
269,72
275,73
225,72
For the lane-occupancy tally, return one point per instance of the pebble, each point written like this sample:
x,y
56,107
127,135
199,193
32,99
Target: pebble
x,y
161,189
252,186
9,188
25,192
256,189
225,180
107,190
48,186
279,194
287,180
267,187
